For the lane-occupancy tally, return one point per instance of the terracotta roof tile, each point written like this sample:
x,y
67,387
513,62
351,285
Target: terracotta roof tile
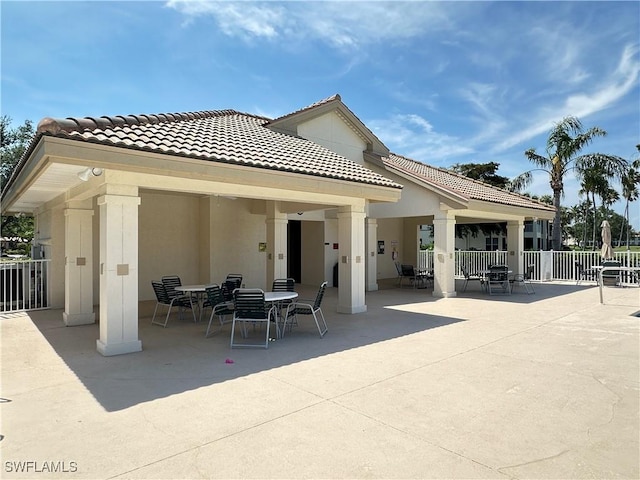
x,y
460,184
218,136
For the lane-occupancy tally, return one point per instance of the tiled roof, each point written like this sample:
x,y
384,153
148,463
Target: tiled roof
x,y
225,136
330,99
469,188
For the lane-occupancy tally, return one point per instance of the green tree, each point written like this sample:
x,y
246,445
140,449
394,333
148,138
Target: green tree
x,y
484,172
630,181
566,139
13,144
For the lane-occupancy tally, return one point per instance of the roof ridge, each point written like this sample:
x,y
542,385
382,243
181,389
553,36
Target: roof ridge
x,y
330,99
71,124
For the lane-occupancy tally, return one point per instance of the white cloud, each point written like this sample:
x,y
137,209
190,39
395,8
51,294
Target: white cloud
x,y
341,25
414,136
581,104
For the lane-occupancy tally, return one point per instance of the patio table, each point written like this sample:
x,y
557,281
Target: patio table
x,y
197,292
485,276
275,298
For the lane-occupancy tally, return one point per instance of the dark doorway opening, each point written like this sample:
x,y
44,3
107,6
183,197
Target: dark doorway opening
x,y
294,253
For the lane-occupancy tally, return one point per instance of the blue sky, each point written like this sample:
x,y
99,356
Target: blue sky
x,y
439,82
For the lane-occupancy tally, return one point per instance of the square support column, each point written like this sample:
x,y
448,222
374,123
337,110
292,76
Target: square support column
x,y
118,275
351,260
276,243
515,245
444,283
371,270
78,267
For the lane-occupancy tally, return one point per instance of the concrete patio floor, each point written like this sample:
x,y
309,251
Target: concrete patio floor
x,y
521,386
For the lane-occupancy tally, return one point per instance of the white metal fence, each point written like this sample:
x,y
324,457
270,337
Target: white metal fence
x,y
24,285
549,265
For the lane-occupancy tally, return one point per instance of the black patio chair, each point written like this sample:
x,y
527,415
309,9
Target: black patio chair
x,y
470,277
498,280
611,278
163,298
415,277
219,308
524,279
301,307
249,307
229,285
585,273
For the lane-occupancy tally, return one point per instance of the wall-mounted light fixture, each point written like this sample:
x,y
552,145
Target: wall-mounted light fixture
x,y
85,174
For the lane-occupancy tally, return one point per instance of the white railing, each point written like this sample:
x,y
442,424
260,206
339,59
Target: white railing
x,y
549,265
24,285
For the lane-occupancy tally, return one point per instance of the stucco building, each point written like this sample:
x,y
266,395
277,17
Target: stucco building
x,y
203,194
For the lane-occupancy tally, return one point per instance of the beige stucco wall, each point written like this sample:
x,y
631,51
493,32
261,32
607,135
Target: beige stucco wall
x,y
168,235
391,231
312,257
333,133
330,254
235,234
200,239
414,201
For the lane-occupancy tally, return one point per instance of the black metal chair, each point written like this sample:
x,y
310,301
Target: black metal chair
x,y
498,280
399,269
585,273
611,278
524,279
470,277
249,307
414,276
219,307
170,283
229,285
314,309
283,285
163,298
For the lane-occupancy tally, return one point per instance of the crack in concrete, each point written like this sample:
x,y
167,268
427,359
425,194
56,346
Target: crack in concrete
x,y
531,462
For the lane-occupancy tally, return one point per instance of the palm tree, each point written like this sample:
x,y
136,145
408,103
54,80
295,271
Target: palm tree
x,y
566,139
630,193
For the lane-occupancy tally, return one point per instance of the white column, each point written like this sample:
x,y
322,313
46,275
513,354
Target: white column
x,y
515,245
371,270
78,267
443,254
351,260
276,243
118,275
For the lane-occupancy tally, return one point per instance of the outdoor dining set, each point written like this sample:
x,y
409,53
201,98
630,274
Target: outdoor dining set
x,y
499,279
244,308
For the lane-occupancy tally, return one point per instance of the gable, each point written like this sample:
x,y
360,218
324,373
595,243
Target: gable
x,y
333,133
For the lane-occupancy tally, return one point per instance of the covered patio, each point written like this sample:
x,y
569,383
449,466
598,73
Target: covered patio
x,y
540,386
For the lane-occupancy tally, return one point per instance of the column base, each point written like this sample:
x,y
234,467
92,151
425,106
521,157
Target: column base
x,y
118,348
445,294
372,288
355,309
73,319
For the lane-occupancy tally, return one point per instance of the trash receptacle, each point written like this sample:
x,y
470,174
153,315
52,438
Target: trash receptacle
x,y
335,275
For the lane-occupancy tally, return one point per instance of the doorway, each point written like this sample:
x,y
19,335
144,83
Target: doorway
x,y
294,250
